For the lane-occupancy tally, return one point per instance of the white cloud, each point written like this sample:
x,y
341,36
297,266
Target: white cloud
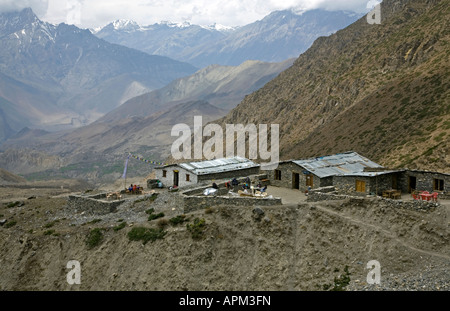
x,y
94,13
38,6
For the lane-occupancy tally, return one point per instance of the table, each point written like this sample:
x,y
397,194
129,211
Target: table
x,y
426,196
392,194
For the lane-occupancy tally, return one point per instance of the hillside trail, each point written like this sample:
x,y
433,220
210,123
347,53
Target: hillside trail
x,y
319,206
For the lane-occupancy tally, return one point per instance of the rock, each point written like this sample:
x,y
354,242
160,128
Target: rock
x,y
258,211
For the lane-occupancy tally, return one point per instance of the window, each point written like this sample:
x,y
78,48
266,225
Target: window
x,y
164,173
439,184
360,186
188,177
277,175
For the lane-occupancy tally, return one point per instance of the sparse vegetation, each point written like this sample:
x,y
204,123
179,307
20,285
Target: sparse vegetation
x,y
340,282
10,224
155,216
95,237
146,234
49,232
120,226
177,220
197,228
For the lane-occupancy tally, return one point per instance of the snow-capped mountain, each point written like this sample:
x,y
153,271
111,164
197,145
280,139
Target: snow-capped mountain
x,y
165,38
54,76
279,36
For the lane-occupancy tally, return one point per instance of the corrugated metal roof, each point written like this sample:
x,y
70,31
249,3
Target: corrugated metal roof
x,y
218,165
349,163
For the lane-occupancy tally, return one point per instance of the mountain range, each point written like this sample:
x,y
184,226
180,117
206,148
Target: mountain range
x,y
59,76
279,36
141,125
379,89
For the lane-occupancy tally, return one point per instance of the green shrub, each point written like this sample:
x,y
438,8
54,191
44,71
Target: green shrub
x,y
150,211
95,237
13,204
94,221
49,232
177,220
197,228
340,282
145,234
155,216
10,224
120,226
50,224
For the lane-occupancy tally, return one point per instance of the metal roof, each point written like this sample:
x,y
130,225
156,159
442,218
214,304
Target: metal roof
x,y
350,163
218,165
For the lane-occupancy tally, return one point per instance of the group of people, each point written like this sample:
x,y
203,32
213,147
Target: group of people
x,y
134,188
246,185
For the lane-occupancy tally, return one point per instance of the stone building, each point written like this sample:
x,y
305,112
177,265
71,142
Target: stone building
x,y
192,173
320,172
412,180
353,174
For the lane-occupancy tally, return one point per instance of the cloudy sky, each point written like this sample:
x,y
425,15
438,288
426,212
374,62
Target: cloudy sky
x,y
96,13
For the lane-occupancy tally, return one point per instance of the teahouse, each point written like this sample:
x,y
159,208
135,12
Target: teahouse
x,y
192,173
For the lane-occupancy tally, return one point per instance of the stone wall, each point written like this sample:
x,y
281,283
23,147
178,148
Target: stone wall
x,y
193,203
410,205
195,200
95,205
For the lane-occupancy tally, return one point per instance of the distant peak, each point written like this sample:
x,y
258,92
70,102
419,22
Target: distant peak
x,y
124,24
184,24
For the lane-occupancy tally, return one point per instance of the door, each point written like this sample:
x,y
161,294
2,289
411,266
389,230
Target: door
x,y
176,178
295,181
360,186
394,182
412,183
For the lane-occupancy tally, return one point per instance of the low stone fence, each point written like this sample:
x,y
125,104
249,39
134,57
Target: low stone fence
x,y
193,203
95,204
195,200
416,205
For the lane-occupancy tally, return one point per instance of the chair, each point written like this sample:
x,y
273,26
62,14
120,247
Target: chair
x,y
434,196
415,196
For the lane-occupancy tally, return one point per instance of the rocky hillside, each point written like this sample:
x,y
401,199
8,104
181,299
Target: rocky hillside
x,y
221,86
307,247
381,90
10,178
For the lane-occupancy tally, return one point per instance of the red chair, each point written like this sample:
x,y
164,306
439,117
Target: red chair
x,y
434,196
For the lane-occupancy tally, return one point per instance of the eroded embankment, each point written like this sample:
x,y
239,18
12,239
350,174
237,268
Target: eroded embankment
x,y
285,248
